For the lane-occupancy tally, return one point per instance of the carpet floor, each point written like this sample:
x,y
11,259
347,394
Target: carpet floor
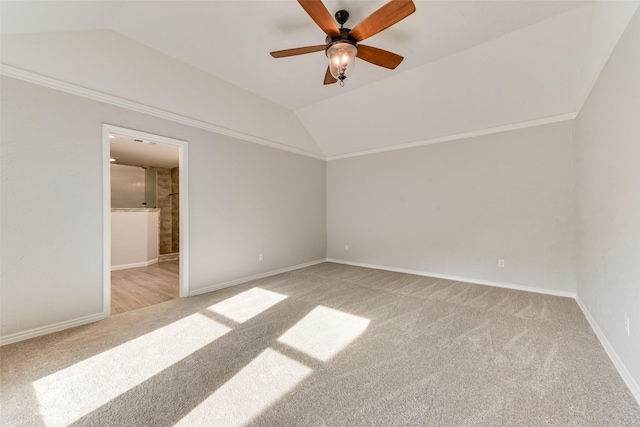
x,y
327,345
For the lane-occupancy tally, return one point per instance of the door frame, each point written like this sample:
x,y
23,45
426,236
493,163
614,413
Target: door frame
x,y
107,130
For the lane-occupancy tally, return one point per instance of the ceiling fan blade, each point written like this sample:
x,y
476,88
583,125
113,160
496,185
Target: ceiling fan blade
x,y
328,78
380,57
298,51
389,14
321,16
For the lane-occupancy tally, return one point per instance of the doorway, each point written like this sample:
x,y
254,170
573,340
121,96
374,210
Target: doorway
x,y
145,220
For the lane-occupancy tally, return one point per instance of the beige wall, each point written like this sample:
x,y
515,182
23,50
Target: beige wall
x,y
154,79
456,208
245,199
608,134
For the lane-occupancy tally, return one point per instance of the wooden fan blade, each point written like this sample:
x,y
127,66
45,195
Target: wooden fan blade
x,y
328,78
389,14
298,51
380,57
321,16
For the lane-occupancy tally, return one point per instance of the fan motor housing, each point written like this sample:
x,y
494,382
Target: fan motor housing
x,y
344,37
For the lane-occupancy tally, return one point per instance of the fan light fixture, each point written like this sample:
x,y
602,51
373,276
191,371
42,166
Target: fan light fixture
x,y
342,58
341,50
342,45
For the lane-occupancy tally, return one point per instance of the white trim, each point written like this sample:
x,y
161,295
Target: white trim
x,y
106,198
254,277
134,265
457,136
617,362
183,200
28,76
460,279
106,222
44,330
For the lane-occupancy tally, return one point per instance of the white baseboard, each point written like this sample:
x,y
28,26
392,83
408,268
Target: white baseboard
x,y
134,265
254,277
32,333
460,279
617,362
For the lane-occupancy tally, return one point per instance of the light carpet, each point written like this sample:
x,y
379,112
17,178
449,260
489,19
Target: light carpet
x,y
327,345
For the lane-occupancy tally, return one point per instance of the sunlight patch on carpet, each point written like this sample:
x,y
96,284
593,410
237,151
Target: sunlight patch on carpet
x,y
258,385
324,332
247,305
69,394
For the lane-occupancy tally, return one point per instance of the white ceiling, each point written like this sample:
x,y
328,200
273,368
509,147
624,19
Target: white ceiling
x,y
469,65
232,39
128,151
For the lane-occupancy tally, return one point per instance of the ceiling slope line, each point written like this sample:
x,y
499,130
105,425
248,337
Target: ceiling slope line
x,y
465,135
52,83
579,101
613,43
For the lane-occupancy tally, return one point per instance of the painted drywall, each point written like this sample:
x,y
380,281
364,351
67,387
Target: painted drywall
x,y
108,62
244,199
608,21
525,75
608,147
134,237
456,208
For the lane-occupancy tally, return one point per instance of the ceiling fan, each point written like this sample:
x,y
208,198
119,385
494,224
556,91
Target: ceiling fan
x,y
342,45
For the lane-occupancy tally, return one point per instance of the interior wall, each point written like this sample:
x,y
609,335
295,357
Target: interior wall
x,y
113,64
134,238
608,134
456,208
245,199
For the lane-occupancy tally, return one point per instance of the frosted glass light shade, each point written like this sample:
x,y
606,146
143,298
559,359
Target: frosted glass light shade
x,y
342,58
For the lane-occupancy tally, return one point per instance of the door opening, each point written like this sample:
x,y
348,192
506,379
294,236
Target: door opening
x,y
145,214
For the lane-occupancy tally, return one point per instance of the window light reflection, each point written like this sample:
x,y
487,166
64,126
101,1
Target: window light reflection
x,y
246,305
324,332
258,385
73,392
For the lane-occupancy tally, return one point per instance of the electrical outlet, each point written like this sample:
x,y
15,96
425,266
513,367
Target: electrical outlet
x,y
627,325
500,263
260,257
346,247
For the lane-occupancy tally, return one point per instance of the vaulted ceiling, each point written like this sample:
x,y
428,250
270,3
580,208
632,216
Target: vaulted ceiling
x,y
469,65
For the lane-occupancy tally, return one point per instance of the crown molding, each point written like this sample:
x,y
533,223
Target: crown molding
x,y
49,82
465,135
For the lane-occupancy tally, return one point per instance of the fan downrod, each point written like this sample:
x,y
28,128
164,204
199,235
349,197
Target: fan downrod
x,y
342,16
